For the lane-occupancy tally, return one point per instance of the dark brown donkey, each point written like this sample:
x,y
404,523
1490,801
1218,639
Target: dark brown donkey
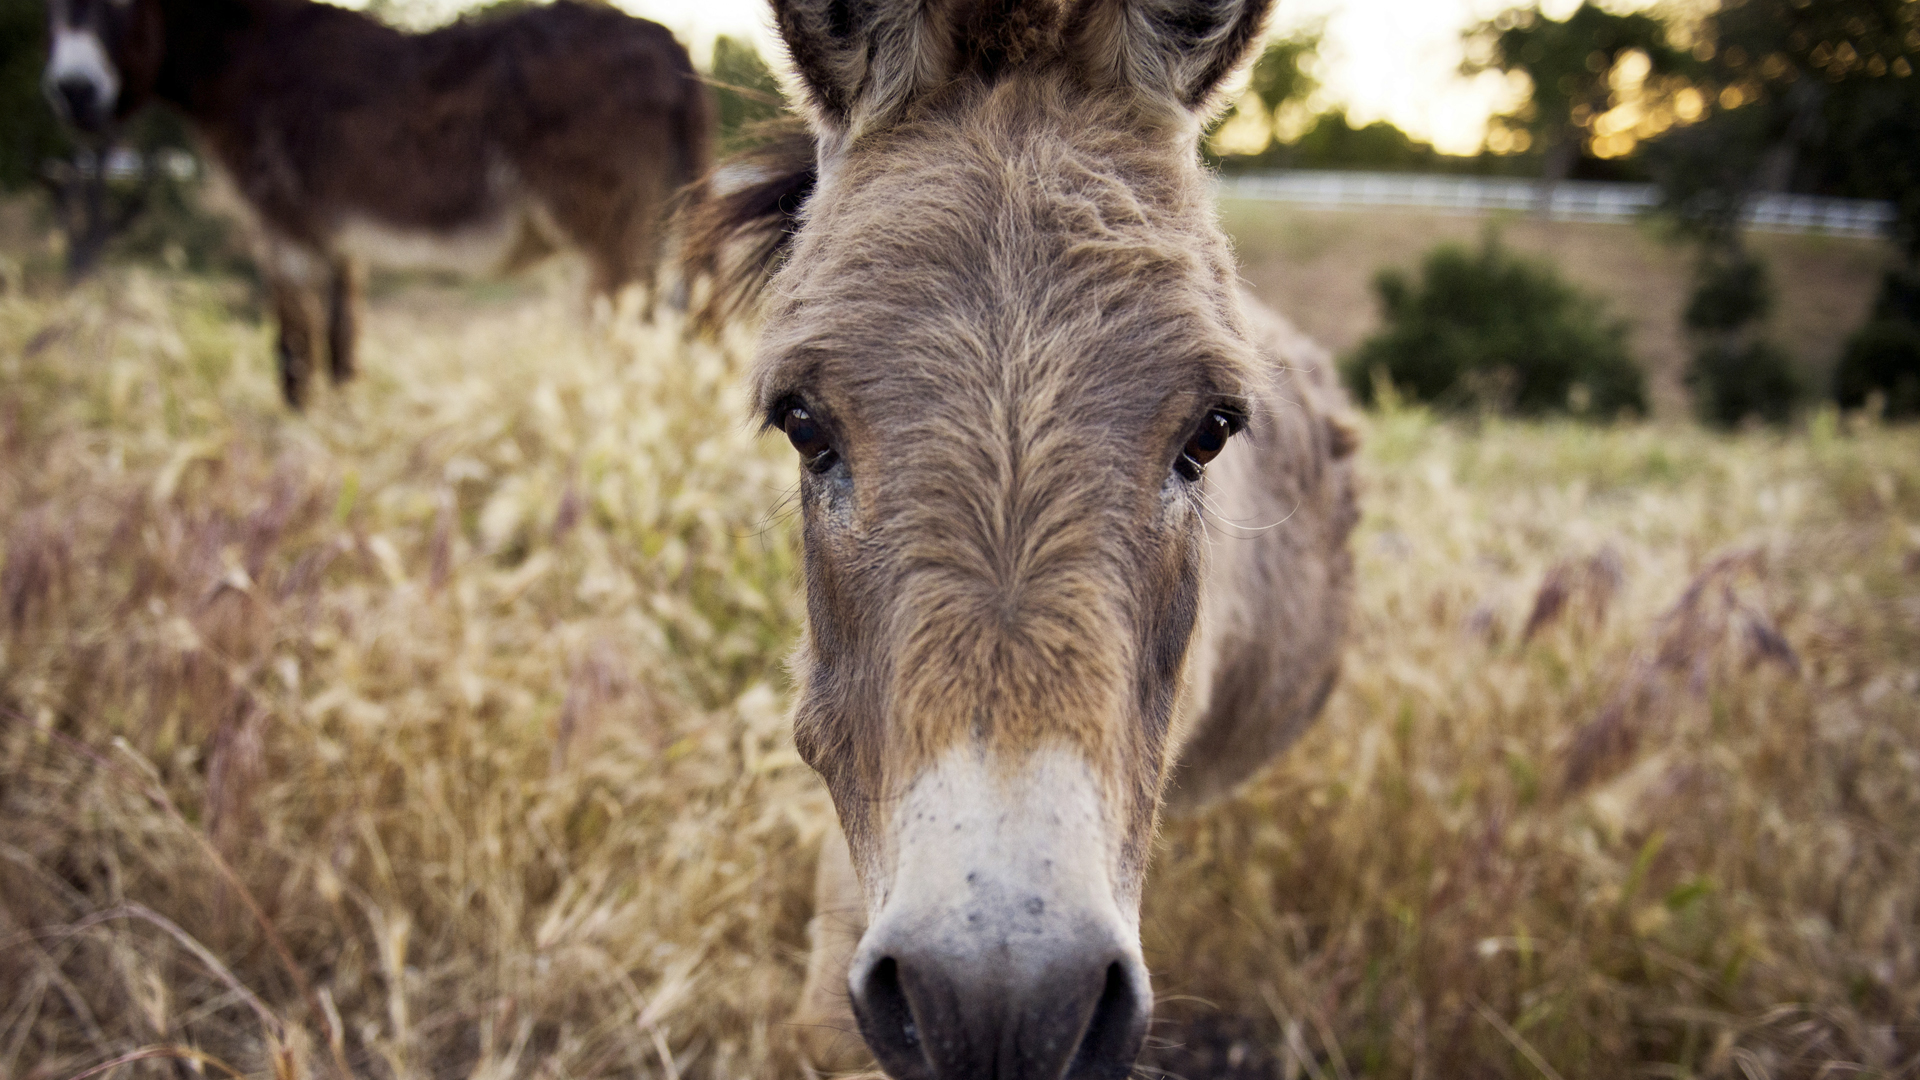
x,y
474,147
1075,510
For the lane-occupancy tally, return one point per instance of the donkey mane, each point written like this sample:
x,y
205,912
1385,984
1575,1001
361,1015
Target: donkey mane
x,y
738,223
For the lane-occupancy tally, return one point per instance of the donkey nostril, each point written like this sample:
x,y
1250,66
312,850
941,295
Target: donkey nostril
x,y
887,1021
1114,1033
889,1001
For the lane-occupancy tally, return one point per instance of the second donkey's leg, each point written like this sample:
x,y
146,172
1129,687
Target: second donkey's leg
x,y
295,275
297,309
823,1025
343,317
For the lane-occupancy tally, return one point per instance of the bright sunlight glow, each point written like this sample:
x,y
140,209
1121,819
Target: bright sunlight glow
x,y
1394,60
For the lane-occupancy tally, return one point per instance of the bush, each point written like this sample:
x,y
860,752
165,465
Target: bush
x,y
1882,356
1732,292
1899,297
1736,374
1732,381
1489,328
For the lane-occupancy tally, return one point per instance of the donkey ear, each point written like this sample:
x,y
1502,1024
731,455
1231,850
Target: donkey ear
x,y
1180,50
860,59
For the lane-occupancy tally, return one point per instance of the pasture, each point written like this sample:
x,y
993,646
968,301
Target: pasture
x,y
438,732
1317,267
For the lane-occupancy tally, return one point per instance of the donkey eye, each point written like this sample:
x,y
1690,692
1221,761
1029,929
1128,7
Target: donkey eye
x,y
1205,444
808,437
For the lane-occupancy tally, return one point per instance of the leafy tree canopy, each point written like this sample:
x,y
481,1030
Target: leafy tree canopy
x,y
1278,87
745,90
1579,70
1335,142
29,132
1801,95
1816,96
1274,123
1281,73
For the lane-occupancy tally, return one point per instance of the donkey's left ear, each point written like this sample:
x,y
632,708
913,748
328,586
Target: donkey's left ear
x,y
859,59
1177,50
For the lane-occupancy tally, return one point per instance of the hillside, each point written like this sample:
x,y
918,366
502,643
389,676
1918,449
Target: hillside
x,y
1317,266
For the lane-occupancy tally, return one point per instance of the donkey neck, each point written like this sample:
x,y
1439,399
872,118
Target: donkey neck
x,y
216,54
198,50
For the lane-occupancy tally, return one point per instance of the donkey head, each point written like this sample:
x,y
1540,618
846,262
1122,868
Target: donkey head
x,y
1006,342
104,57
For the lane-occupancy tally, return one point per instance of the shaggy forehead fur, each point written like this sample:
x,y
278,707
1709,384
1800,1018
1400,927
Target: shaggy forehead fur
x,y
1011,309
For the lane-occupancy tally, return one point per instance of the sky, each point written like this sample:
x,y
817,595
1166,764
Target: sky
x,y
1395,60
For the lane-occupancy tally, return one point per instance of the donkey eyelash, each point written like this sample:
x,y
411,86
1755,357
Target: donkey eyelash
x,y
776,412
1237,419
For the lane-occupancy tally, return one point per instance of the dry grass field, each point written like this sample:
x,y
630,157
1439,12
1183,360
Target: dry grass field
x,y
438,733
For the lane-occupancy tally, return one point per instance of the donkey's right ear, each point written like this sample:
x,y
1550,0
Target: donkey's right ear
x,y
1177,50
861,60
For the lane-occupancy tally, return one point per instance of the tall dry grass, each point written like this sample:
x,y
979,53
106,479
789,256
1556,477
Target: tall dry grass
x,y
438,733
1623,779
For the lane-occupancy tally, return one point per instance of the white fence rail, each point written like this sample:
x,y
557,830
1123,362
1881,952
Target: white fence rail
x,y
1573,200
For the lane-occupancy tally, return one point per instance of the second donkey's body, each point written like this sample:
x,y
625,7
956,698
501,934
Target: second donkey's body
x,y
475,147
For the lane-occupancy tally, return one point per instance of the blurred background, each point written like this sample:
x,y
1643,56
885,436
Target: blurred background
x,y
438,730
1749,173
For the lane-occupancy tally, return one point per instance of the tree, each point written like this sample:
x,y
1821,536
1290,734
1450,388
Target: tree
x,y
1574,67
1273,124
1279,83
1735,373
29,132
1334,142
1808,95
745,92
1280,75
1801,95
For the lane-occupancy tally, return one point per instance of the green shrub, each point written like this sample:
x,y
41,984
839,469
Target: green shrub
x,y
1882,356
1732,291
1735,373
1732,381
1491,329
29,134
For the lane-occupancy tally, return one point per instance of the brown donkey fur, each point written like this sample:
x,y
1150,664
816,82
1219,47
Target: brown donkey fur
x,y
474,147
1005,333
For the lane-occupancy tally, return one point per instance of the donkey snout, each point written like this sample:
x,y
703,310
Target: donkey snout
x,y
1073,1009
1002,949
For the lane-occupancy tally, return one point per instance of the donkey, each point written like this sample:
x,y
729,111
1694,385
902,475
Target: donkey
x,y
479,146
1074,510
